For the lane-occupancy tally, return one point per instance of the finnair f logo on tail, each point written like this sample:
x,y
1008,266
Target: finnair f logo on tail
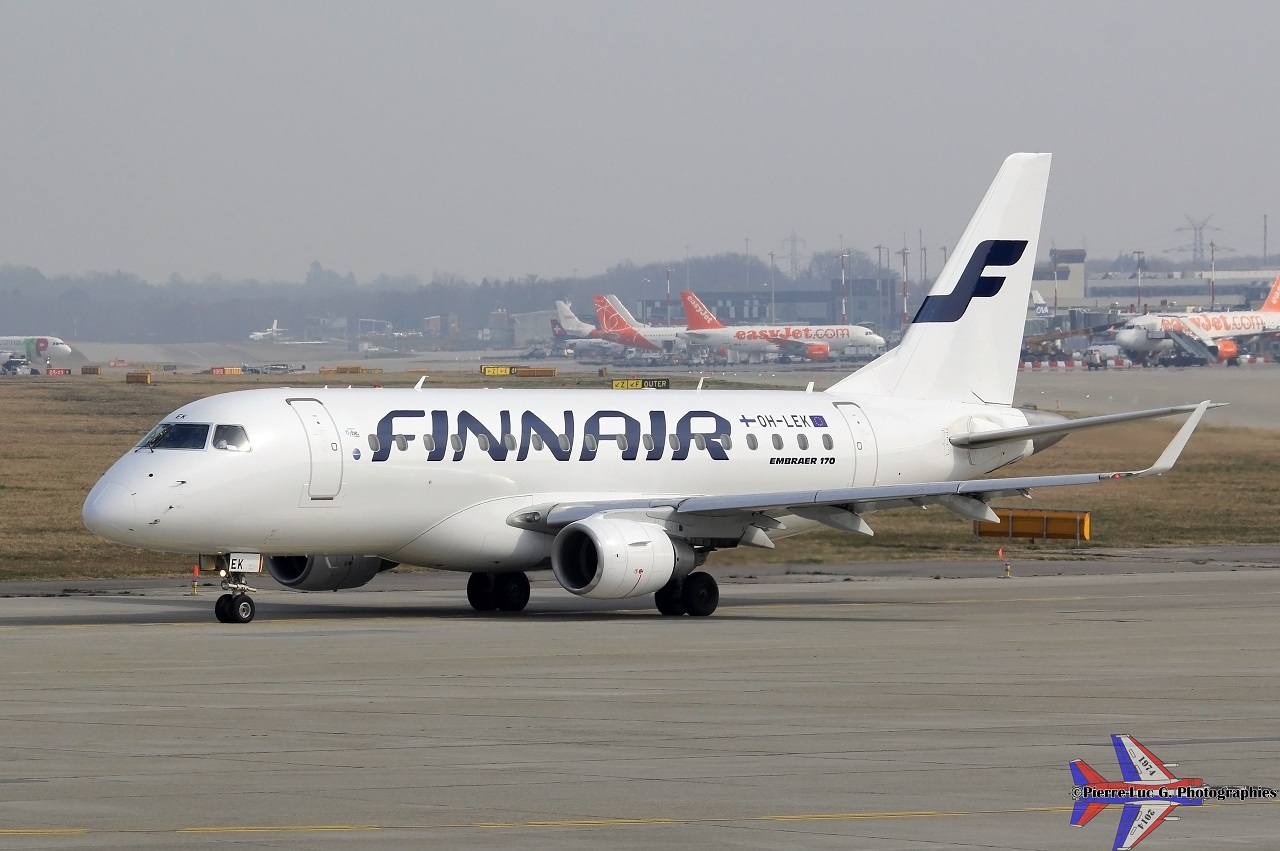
x,y
973,284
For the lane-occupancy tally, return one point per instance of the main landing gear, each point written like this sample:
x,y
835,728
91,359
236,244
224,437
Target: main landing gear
x,y
697,595
235,606
506,592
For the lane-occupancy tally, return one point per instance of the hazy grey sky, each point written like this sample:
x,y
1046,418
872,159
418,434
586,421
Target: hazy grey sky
x,y
500,139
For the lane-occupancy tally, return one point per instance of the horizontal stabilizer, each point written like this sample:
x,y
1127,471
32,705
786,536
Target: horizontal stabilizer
x,y
987,438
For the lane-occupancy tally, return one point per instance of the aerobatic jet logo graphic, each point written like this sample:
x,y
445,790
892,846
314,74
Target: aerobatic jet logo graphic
x,y
973,284
1148,792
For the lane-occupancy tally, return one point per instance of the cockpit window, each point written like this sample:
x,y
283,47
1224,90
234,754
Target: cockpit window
x,y
230,437
176,436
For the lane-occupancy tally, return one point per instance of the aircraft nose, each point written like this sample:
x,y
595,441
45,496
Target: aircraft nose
x,y
60,349
109,510
876,340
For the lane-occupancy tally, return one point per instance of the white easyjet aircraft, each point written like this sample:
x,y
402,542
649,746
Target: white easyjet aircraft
x,y
619,494
814,342
1219,330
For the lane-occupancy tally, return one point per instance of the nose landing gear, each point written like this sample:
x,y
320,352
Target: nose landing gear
x,y
235,606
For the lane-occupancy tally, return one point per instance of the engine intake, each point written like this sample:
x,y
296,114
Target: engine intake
x,y
325,573
611,559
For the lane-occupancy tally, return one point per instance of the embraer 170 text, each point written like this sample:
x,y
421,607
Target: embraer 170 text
x,y
619,494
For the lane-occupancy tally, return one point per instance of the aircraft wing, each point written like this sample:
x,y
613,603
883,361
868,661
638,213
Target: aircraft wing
x,y
987,438
1138,821
841,508
1137,763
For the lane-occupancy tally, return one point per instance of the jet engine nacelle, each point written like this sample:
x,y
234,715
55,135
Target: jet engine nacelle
x,y
1227,350
817,351
609,559
325,573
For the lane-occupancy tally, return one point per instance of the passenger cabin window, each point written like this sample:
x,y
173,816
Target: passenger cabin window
x,y
429,442
374,443
647,440
726,441
777,441
536,440
509,441
751,441
176,436
802,441
827,442
402,442
230,437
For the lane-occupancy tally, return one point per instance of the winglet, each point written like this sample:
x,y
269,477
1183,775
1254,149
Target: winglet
x,y
1171,452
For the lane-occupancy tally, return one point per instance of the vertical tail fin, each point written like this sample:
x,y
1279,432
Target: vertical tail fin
x,y
696,314
964,341
616,328
570,322
622,311
1272,302
609,318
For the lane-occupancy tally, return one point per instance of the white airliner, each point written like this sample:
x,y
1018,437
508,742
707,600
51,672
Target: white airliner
x,y
620,494
618,325
1218,330
815,342
275,332
35,347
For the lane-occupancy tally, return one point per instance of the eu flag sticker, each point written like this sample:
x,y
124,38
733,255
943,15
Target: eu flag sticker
x,y
818,422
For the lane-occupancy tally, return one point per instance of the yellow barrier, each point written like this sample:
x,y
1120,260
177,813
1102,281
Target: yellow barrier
x,y
1042,523
137,378
534,372
491,369
91,370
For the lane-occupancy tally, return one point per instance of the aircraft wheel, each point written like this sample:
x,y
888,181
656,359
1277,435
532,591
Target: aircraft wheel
x,y
241,609
700,594
480,592
668,599
222,609
511,591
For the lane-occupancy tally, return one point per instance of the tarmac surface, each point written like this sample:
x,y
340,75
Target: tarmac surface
x,y
834,706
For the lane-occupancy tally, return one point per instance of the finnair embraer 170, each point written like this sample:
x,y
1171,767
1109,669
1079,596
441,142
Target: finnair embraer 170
x,y
619,494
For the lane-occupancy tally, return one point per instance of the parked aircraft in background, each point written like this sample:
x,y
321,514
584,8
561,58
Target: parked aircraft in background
x,y
1214,333
34,348
580,345
571,325
1145,778
617,324
275,332
815,342
619,494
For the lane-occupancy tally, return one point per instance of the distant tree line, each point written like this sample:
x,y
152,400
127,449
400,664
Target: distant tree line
x,y
121,307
